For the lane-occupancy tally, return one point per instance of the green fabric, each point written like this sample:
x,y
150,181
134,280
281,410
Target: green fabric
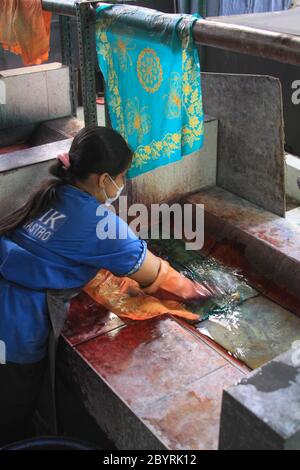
x,y
231,287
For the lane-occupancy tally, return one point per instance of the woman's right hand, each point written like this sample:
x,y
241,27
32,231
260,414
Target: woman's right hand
x,y
158,278
170,284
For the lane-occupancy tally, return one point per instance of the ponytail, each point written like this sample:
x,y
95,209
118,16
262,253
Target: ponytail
x,y
39,202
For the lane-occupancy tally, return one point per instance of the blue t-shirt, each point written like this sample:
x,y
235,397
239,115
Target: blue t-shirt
x,y
61,249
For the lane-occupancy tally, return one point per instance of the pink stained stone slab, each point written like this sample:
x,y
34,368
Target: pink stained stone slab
x,y
275,231
148,360
87,319
189,419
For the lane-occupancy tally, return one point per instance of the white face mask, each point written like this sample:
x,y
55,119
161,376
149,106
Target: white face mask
x,y
110,200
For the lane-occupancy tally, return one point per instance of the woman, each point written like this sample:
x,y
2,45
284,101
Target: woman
x,y
51,242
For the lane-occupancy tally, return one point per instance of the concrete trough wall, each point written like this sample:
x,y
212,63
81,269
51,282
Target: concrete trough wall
x,y
32,95
21,171
192,173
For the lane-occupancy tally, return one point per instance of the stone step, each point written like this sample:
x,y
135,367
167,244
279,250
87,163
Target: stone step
x,y
263,246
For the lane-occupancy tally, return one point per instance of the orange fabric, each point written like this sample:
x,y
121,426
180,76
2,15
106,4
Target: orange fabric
x,y
25,30
125,298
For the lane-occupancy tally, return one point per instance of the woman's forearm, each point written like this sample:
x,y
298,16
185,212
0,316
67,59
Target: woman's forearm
x,y
149,270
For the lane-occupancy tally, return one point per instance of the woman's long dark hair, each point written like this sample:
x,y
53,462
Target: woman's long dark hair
x,y
94,149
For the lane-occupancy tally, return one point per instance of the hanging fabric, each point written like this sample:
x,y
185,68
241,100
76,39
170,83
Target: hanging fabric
x,y
25,30
191,6
153,87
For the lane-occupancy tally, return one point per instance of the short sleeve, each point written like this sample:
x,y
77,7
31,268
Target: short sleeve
x,y
121,252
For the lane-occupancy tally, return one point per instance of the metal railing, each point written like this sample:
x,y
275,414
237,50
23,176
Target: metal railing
x,y
245,40
236,38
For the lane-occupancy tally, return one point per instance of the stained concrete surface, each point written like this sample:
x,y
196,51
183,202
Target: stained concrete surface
x,y
269,244
255,332
155,375
87,319
251,160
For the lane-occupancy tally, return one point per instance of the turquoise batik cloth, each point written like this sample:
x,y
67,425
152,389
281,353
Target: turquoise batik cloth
x,y
153,83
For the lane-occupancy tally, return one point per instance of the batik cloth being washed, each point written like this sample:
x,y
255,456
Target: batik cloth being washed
x,y
153,85
124,297
217,289
228,287
25,30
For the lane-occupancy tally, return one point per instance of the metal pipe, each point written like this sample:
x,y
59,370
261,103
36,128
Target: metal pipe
x,y
243,39
63,7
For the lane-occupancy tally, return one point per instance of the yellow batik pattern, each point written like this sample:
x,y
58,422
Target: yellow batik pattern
x,y
149,70
185,93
